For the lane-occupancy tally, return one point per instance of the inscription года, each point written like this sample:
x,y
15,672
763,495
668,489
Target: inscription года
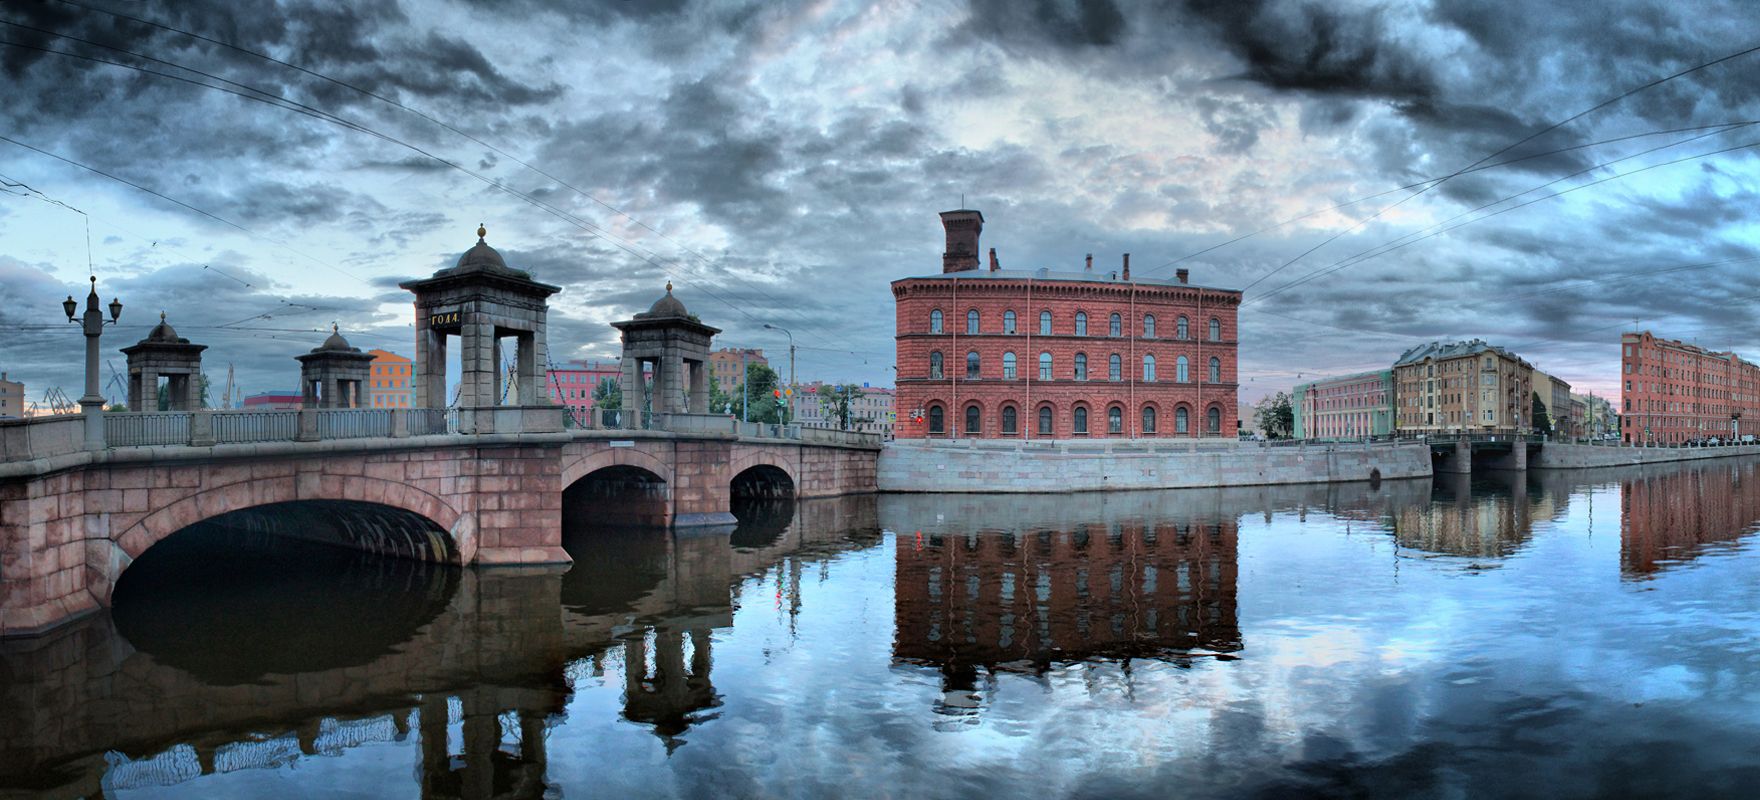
x,y
440,318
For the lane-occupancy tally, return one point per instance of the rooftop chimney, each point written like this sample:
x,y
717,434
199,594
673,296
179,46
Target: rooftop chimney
x,y
963,227
994,264
1090,265
1182,275
1127,266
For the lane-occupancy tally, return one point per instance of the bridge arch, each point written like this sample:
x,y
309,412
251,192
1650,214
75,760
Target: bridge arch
x,y
763,457
588,463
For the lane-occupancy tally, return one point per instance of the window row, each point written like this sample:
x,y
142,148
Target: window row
x,y
1114,325
1114,368
1078,420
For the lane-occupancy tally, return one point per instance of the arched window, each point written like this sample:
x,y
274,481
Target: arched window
x,y
1115,420
972,365
1079,421
1114,368
1180,420
1183,330
1181,371
1215,330
1148,326
1213,420
1044,420
1148,419
1008,322
935,321
1215,370
1148,368
936,422
1081,323
973,419
972,321
1008,366
1008,420
1044,323
935,366
1115,325
1044,366
1081,366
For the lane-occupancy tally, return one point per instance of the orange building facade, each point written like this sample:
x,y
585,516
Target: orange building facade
x,y
389,383
1672,392
1056,355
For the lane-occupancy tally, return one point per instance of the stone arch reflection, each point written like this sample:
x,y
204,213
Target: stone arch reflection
x,y
619,495
290,604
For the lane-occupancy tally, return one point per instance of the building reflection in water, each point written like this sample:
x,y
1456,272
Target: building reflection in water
x,y
1483,515
1671,515
269,662
1018,584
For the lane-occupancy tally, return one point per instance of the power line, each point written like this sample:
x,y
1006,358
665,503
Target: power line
x,y
1524,140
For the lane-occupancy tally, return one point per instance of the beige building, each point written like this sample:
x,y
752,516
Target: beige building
x,y
872,411
11,398
726,366
1555,394
1455,387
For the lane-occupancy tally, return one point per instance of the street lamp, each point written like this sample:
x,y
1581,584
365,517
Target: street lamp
x,y
791,385
92,323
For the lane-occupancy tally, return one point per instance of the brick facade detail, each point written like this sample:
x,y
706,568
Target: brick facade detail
x,y
1149,401
1672,392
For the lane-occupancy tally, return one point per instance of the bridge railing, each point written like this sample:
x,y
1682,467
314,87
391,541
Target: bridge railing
x,y
238,427
146,428
41,437
354,423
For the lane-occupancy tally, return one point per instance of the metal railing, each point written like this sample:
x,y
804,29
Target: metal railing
x,y
238,427
146,428
354,423
432,421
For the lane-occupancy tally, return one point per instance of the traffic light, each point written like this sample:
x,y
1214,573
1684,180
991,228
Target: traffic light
x,y
778,393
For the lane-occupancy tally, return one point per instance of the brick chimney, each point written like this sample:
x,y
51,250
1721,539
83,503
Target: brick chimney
x,y
963,227
1127,266
994,264
1089,266
1182,275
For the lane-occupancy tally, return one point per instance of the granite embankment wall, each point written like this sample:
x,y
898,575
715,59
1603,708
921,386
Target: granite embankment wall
x,y
1554,455
963,465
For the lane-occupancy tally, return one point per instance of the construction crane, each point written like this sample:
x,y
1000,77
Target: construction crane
x,y
115,384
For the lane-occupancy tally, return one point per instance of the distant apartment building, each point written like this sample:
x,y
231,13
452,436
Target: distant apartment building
x,y
727,366
1672,391
871,411
1346,407
290,400
390,383
1555,395
1599,418
11,398
1456,387
573,386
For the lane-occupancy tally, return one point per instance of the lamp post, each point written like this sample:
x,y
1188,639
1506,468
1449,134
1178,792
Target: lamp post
x,y
92,323
791,386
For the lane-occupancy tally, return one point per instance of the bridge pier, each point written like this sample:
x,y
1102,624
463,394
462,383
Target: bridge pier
x,y
1458,462
1515,460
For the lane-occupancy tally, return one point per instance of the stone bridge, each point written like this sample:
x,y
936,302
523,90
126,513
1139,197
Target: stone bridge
x,y
73,518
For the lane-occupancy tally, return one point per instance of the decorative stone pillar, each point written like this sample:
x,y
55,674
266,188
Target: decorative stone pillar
x,y
163,352
674,340
331,376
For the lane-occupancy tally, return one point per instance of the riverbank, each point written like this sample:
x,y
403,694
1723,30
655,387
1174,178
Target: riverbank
x,y
1556,455
969,465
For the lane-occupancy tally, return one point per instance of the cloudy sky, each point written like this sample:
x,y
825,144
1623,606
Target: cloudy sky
x,y
782,161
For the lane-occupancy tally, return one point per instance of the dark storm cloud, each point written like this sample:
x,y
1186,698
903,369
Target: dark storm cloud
x,y
1317,47
1068,24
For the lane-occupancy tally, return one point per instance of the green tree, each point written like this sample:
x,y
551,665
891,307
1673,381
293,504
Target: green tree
x,y
608,395
837,402
760,391
1542,422
1276,415
165,395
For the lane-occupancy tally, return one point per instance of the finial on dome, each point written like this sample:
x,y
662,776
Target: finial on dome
x,y
669,287
334,329
481,231
161,316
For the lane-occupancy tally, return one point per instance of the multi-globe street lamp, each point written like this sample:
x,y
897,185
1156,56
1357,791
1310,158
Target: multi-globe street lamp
x,y
92,323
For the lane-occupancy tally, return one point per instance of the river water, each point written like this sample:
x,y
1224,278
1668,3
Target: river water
x,y
1566,634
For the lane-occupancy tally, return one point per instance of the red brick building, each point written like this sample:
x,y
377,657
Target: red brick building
x,y
995,353
1672,391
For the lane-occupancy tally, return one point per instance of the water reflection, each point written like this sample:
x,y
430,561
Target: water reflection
x,y
1015,584
233,652
1670,516
1272,641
